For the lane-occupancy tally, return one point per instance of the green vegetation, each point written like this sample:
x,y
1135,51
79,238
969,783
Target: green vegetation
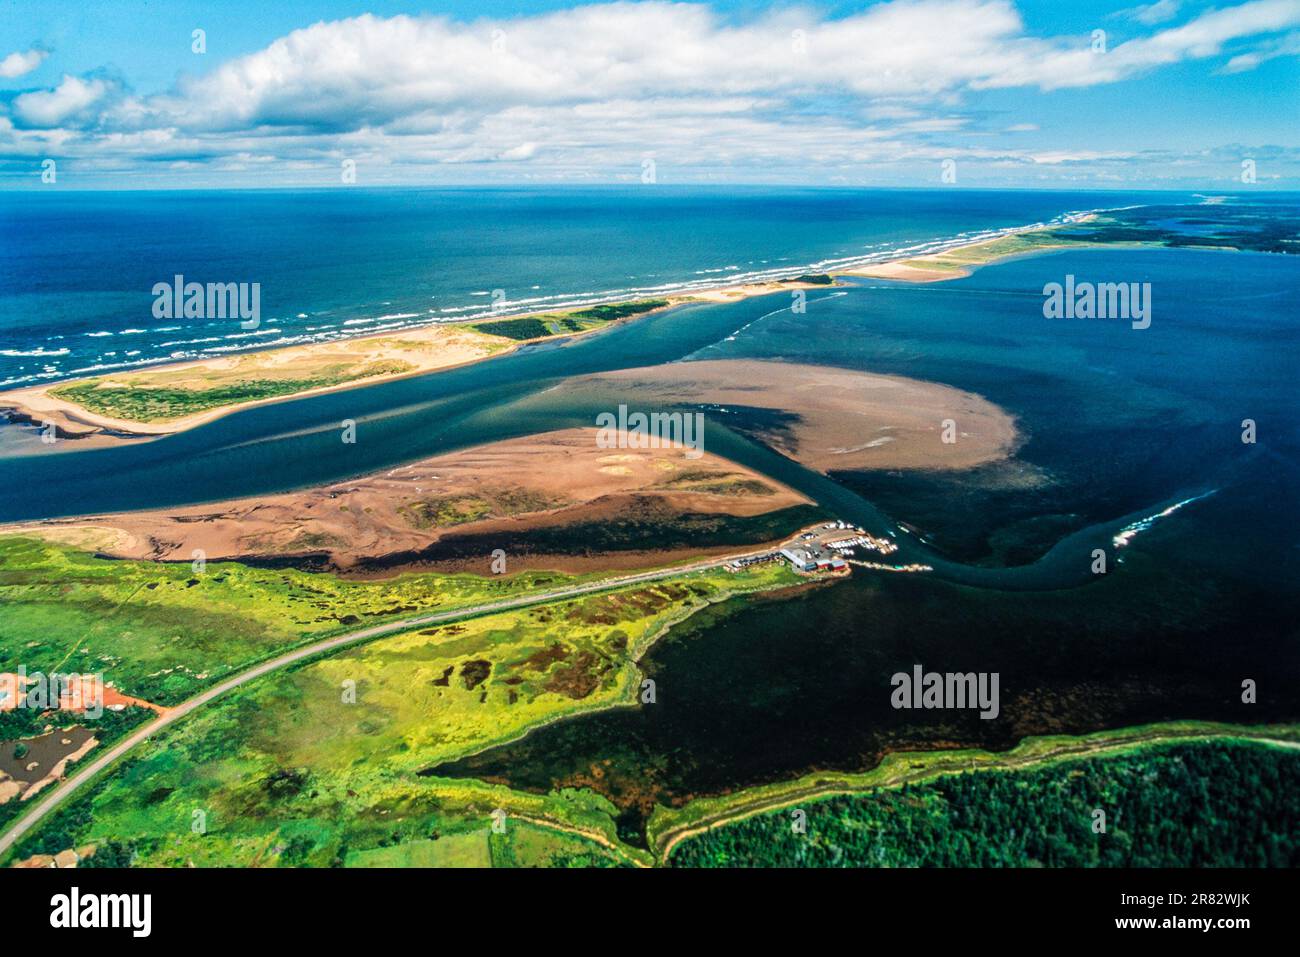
x,y
1197,804
162,632
668,826
814,279
611,311
716,482
519,329
560,323
328,763
108,727
1211,226
1221,226
447,510
140,403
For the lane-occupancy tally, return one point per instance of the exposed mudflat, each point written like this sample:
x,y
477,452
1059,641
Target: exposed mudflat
x,y
832,419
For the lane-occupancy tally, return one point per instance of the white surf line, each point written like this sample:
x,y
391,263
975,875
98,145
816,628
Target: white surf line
x,y
766,315
577,300
1131,530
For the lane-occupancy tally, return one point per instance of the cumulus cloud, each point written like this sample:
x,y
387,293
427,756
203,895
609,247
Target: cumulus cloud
x,y
20,63
600,86
72,99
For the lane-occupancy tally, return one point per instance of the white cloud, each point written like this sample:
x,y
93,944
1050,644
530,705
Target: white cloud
x,y
596,87
1202,37
1288,45
70,99
18,64
521,152
1150,13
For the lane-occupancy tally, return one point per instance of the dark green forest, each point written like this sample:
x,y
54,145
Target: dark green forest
x,y
1211,804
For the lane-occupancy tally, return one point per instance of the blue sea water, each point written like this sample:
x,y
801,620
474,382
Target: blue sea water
x,y
77,269
1130,436
1118,423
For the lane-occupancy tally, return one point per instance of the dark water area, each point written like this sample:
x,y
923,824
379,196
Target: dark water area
x,y
1117,421
1132,444
762,690
43,750
1114,419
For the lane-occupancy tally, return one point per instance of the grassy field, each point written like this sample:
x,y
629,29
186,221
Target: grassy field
x,y
127,397
564,323
521,845
1218,803
168,393
1225,227
162,632
320,765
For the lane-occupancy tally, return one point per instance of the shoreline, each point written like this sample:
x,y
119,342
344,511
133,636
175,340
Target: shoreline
x,y
959,262
377,525
34,404
669,827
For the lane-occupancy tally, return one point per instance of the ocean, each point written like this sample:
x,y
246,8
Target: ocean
x,y
77,269
1132,443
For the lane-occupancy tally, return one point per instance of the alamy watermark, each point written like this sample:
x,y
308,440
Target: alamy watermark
x,y
179,299
74,910
654,430
38,691
951,690
1098,300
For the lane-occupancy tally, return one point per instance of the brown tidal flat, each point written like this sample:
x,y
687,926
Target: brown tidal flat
x,y
832,419
511,487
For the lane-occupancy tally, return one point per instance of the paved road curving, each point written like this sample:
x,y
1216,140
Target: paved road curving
x,y
61,792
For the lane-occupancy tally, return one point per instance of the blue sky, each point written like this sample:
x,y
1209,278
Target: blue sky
x,y
1024,94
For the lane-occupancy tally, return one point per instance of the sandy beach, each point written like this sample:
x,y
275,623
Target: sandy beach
x,y
360,361
541,481
960,261
370,359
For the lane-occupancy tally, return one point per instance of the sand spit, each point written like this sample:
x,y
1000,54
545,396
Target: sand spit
x,y
360,361
547,480
827,418
365,361
959,262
